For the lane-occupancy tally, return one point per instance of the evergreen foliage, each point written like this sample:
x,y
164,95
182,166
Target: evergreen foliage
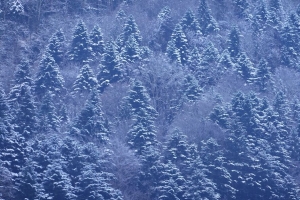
x,y
206,21
96,41
189,23
55,46
80,47
177,48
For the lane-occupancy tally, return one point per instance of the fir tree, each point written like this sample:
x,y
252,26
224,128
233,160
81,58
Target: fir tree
x,y
48,77
177,48
142,133
96,41
194,61
275,12
191,88
241,7
85,81
245,67
110,71
55,46
131,51
263,76
80,47
190,23
91,124
225,61
234,43
206,21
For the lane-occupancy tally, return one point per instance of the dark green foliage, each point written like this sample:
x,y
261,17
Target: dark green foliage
x,y
177,48
207,23
48,77
80,47
85,81
110,71
91,124
96,41
142,133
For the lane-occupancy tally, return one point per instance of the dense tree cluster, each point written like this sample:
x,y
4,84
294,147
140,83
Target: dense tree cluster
x,y
131,100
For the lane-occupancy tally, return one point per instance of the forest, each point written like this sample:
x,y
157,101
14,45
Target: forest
x,y
149,99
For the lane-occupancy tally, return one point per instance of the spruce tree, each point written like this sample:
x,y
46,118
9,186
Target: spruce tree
x,y
110,71
48,77
189,23
241,7
191,88
96,41
275,12
85,81
91,124
55,46
263,75
142,133
80,47
177,48
131,51
207,23
245,67
234,46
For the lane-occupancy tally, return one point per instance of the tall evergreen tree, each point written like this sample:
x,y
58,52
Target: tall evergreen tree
x,y
191,88
142,133
96,41
85,81
263,76
206,21
241,7
275,12
234,46
189,23
80,48
48,77
110,71
91,124
177,48
56,46
245,67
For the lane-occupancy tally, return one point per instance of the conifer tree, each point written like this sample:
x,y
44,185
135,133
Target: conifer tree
x,y
91,124
85,81
131,51
96,41
110,71
234,43
190,23
130,29
194,61
16,10
261,17
241,7
206,21
245,67
275,12
80,47
191,88
142,133
263,76
225,61
177,48
55,46
48,77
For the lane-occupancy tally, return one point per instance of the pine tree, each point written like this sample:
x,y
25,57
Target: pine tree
x,y
164,31
47,114
275,12
96,41
91,124
130,29
110,71
261,17
234,43
142,133
194,60
245,67
80,47
191,88
189,23
16,10
48,77
85,81
55,47
177,48
206,21
131,51
25,114
263,76
241,7
225,61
